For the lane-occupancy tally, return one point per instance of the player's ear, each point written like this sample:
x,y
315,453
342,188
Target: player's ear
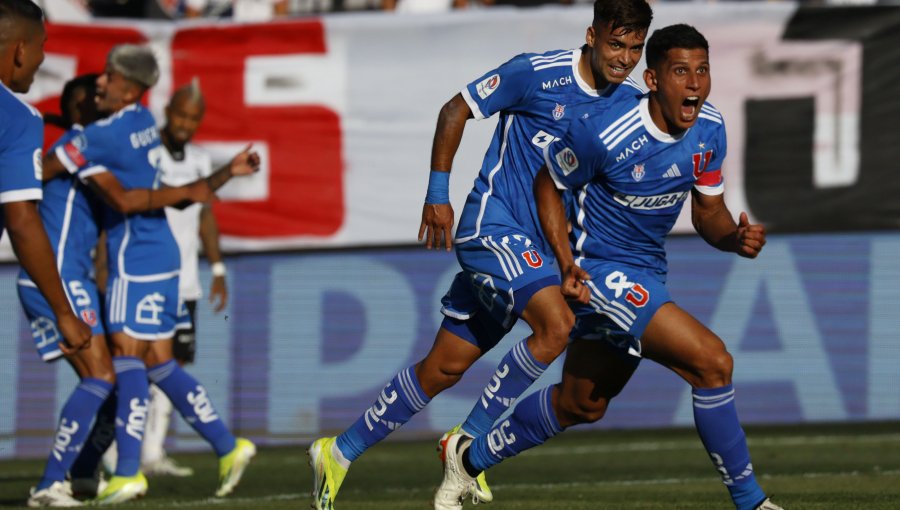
x,y
650,79
590,35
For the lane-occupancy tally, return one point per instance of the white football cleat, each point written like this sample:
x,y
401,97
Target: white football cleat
x,y
57,495
768,505
482,492
457,484
166,466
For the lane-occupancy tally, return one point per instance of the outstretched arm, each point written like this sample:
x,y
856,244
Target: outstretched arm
x,y
713,221
552,214
137,200
437,213
32,248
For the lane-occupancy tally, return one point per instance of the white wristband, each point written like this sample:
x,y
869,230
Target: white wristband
x,y
217,268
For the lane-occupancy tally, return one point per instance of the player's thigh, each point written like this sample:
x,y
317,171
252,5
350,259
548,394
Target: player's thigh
x,y
158,352
505,271
594,373
95,361
675,339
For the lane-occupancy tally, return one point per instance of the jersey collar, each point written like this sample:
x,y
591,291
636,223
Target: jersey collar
x,y
650,126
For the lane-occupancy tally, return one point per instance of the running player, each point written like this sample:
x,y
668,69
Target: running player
x,y
117,157
626,203
22,37
507,271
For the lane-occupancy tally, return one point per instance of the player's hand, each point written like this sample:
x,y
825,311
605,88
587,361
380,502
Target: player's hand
x,y
750,237
199,192
218,293
245,163
436,227
573,287
76,334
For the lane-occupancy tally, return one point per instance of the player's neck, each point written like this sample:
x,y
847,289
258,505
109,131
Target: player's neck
x,y
586,71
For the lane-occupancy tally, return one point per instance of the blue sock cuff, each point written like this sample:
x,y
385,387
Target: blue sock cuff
x,y
526,362
438,188
410,390
126,363
712,392
97,387
160,372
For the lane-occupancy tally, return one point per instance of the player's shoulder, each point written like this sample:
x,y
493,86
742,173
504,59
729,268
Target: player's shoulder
x,y
710,121
18,117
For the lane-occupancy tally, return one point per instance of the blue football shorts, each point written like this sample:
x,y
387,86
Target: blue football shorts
x,y
623,300
144,310
84,298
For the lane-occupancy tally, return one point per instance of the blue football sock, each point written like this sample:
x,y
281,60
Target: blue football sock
x,y
131,412
717,424
102,435
398,402
515,373
191,400
74,427
532,422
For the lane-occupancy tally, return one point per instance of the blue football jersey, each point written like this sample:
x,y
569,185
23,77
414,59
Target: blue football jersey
x,y
70,214
630,179
127,144
537,95
21,141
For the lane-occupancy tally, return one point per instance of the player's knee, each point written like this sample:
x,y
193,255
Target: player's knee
x,y
438,376
552,336
104,373
715,370
573,411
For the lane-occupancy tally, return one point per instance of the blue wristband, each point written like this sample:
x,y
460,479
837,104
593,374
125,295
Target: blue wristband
x,y
438,188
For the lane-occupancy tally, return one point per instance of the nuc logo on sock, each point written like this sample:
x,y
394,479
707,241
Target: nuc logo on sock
x,y
726,478
203,408
137,418
500,437
374,413
491,389
63,437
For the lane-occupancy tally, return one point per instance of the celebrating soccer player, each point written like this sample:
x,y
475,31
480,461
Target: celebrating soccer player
x,y
626,203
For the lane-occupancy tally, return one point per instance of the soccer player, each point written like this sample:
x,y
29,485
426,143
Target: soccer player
x,y
507,271
626,203
117,157
22,39
184,162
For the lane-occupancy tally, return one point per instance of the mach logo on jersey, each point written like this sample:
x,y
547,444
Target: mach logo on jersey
x,y
488,85
633,147
562,80
652,202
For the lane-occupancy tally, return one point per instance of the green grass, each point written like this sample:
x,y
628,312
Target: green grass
x,y
821,467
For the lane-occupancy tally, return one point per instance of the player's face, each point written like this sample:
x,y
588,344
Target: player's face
x,y
29,57
680,85
114,91
183,116
614,53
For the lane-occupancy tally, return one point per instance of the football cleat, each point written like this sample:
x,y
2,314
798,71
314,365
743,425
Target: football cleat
x,y
88,488
328,474
457,484
232,466
57,495
166,466
768,505
482,493
122,488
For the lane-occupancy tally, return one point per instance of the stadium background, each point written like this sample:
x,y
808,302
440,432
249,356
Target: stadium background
x,y
330,296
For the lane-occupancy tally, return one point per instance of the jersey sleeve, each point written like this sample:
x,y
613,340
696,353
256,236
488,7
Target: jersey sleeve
x,y
84,152
711,181
499,89
21,166
575,159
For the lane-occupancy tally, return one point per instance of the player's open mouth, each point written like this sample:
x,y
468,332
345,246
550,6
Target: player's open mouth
x,y
619,71
689,107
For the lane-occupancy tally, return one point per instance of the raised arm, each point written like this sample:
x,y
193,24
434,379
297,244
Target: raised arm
x,y
437,213
552,215
713,221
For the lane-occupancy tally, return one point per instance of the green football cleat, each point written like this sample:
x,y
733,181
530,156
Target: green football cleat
x,y
328,474
121,489
482,493
232,466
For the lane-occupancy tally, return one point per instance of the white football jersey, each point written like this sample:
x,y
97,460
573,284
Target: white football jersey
x,y
185,223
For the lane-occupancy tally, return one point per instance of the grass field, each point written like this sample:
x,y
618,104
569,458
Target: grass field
x,y
822,467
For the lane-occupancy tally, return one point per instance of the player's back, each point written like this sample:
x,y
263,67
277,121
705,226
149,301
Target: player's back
x,y
21,140
536,95
642,178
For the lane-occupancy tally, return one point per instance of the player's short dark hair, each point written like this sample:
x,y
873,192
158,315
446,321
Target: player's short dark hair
x,y
632,15
673,36
20,9
86,82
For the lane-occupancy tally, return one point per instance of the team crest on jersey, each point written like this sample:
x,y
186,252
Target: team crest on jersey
x,y
638,172
567,160
487,86
559,112
533,258
89,316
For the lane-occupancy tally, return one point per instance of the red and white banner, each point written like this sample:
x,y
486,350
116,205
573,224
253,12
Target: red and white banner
x,y
343,107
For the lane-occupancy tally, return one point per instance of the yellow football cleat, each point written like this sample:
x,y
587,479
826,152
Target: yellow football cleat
x,y
232,466
328,474
122,488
